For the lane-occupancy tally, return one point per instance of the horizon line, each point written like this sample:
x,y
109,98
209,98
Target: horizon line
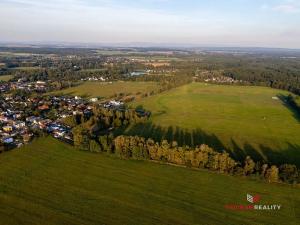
x,y
62,44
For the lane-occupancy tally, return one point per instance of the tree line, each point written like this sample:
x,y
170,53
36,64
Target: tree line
x,y
202,157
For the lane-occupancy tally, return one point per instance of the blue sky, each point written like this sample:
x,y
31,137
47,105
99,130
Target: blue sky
x,y
260,23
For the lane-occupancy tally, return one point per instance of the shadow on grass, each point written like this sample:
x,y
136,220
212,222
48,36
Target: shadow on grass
x,y
196,137
182,136
294,110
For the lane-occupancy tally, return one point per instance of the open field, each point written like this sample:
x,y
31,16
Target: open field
x,y
5,77
93,70
28,68
104,89
48,182
246,120
13,54
166,58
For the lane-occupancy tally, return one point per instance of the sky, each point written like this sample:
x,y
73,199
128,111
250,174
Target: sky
x,y
214,23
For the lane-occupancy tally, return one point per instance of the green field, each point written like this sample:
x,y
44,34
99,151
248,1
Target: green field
x,y
246,120
48,182
93,70
104,89
5,77
28,68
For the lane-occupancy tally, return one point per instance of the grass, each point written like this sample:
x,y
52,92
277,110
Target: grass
x,y
93,70
245,120
6,77
297,99
13,54
28,68
48,182
103,89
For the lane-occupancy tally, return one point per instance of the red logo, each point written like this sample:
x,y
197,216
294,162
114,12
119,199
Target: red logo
x,y
253,199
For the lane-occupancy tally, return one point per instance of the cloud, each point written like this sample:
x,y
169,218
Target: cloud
x,y
97,21
287,8
283,6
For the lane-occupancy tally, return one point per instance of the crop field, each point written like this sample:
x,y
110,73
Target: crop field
x,y
242,119
105,90
49,182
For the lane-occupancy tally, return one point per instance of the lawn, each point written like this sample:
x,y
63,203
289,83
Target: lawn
x,y
48,182
105,89
6,77
242,119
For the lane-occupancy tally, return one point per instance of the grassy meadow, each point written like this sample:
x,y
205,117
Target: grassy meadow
x,y
26,68
49,182
105,89
245,120
6,77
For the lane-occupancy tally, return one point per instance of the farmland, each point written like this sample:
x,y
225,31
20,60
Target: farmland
x,y
245,120
104,89
36,187
5,77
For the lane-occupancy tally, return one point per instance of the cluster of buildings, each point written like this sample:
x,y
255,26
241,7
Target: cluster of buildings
x,y
4,87
36,86
23,117
215,76
113,104
93,78
221,79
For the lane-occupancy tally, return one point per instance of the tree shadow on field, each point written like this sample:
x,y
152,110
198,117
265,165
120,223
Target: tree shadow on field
x,y
247,149
296,113
181,136
197,137
290,155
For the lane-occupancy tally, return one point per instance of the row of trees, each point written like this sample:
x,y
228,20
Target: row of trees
x,y
166,82
204,157
201,157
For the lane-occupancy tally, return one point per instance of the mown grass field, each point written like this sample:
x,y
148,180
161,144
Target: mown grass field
x,y
246,120
104,89
5,77
49,182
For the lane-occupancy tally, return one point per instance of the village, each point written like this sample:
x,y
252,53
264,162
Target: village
x,y
22,118
24,85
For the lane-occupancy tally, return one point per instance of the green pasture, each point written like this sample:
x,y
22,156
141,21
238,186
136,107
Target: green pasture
x,y
6,77
106,89
245,120
49,182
